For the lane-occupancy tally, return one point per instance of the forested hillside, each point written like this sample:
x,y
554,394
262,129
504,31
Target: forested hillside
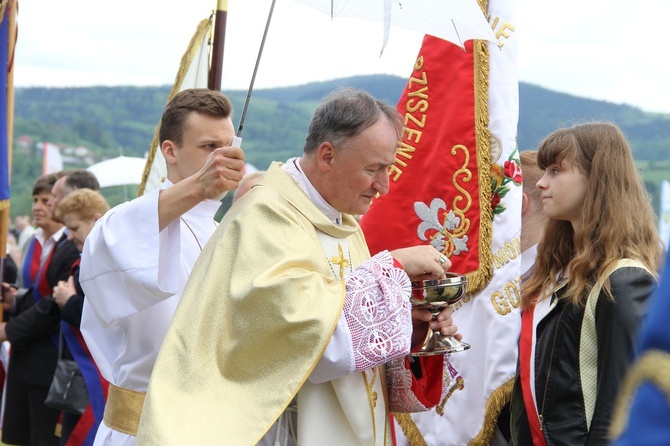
x,y
114,120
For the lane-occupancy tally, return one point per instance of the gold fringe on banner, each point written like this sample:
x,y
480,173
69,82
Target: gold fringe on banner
x,y
478,279
653,367
409,429
498,399
204,28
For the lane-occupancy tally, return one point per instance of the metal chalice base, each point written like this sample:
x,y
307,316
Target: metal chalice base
x,y
434,296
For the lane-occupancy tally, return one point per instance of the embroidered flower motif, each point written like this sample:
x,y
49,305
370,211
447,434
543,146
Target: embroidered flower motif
x,y
513,171
495,201
447,230
497,175
501,176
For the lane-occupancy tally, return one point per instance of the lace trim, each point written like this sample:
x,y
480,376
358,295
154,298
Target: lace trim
x,y
290,168
378,312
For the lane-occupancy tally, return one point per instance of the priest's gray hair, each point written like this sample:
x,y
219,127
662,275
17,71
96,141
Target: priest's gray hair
x,y
345,113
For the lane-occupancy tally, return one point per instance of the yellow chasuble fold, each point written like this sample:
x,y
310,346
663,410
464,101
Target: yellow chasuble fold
x,y
255,317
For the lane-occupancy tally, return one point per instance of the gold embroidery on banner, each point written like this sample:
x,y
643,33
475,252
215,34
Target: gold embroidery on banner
x,y
653,368
452,228
466,177
501,30
510,251
451,233
503,303
509,298
417,101
404,150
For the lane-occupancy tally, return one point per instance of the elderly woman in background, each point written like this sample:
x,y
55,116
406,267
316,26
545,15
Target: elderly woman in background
x,y
79,211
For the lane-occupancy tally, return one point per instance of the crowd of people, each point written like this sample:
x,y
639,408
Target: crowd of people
x,y
277,327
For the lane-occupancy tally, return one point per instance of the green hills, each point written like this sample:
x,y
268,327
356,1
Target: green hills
x,y
110,121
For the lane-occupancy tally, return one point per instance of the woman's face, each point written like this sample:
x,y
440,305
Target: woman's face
x,y
563,188
41,209
78,228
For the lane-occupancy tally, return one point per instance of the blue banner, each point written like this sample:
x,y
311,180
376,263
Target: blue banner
x,y
4,149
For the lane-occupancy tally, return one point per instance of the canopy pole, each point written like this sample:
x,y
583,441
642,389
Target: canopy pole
x,y
253,76
215,70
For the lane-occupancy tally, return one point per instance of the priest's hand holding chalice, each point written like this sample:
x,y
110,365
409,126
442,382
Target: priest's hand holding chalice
x,y
434,290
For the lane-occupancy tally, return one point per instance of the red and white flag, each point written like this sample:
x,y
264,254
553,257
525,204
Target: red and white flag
x,y
456,185
52,160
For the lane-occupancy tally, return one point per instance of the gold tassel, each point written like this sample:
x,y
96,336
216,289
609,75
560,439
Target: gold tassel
x,y
652,367
460,383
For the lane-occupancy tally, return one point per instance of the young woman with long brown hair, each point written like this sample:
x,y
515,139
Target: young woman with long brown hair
x,y
583,303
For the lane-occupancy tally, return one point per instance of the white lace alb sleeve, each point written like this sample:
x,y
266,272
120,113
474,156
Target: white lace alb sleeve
x,y
376,321
378,312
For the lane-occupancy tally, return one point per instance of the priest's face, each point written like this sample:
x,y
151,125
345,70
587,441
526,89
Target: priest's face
x,y
359,170
201,135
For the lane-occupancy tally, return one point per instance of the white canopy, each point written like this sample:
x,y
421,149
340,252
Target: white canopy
x,y
118,171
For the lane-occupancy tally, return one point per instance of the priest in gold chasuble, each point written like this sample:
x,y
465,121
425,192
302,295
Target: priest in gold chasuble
x,y
288,332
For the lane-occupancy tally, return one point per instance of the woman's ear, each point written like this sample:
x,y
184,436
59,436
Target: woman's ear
x,y
525,201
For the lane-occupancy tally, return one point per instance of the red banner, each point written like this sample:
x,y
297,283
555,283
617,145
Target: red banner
x,y
440,182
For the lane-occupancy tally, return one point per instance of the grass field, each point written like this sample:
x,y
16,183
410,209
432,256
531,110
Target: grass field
x,y
654,171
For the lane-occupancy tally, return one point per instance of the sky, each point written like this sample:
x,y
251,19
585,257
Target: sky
x,y
613,50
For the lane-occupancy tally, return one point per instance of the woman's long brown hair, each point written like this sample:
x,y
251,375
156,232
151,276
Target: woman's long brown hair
x,y
617,217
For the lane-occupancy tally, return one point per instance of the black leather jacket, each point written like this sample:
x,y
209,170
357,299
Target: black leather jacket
x,y
33,328
558,381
